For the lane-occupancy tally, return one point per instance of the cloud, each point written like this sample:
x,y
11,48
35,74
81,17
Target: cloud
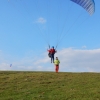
x,y
84,47
41,20
72,60
80,60
4,66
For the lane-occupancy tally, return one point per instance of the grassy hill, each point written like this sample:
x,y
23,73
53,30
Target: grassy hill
x,y
49,86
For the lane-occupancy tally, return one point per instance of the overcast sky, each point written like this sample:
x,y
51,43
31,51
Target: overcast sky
x,y
28,26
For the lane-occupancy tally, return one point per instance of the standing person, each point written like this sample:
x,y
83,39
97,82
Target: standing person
x,y
52,51
56,62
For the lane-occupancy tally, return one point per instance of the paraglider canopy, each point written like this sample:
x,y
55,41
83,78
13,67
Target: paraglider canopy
x,y
88,5
10,65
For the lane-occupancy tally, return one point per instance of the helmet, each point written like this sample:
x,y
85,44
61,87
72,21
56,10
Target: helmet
x,y
52,46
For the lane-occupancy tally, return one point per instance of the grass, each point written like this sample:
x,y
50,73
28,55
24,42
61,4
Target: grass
x,y
49,86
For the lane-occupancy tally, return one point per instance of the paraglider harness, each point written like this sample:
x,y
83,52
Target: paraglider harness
x,y
51,52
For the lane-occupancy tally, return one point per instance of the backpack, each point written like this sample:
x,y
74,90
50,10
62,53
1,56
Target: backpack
x,y
49,55
52,51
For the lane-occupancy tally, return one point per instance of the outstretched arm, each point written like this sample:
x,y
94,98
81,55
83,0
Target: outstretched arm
x,y
55,51
48,50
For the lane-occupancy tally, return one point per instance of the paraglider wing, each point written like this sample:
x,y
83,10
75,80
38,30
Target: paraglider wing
x,y
10,65
88,5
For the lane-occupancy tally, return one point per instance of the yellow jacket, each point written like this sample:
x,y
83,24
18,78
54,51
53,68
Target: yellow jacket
x,y
56,62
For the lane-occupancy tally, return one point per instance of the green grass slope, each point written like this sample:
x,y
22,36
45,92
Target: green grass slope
x,y
49,86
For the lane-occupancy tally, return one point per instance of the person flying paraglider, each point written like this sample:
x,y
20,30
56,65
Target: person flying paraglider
x,y
51,53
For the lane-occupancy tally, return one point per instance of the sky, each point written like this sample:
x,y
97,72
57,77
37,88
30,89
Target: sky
x,y
27,27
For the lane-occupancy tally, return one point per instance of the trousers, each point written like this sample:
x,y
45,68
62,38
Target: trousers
x,y
56,68
52,57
